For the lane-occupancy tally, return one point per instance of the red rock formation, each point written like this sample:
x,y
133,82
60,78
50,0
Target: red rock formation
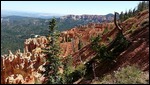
x,y
31,44
16,68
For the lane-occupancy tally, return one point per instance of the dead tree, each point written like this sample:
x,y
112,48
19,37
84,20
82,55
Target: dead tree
x,y
120,43
116,24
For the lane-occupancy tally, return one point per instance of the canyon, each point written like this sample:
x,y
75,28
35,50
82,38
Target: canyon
x,y
25,68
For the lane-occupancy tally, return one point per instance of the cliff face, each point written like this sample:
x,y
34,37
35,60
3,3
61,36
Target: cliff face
x,y
136,29
138,52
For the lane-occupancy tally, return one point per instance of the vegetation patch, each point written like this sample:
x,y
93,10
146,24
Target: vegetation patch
x,y
126,75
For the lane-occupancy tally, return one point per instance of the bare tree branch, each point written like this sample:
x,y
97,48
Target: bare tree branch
x,y
115,22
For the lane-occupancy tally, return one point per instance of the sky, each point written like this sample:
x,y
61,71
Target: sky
x,y
69,7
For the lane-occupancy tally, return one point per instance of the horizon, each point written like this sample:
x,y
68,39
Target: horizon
x,y
69,7
48,14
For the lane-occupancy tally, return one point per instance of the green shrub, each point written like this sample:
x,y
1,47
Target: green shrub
x,y
80,44
68,69
131,30
95,43
79,72
105,31
109,39
72,74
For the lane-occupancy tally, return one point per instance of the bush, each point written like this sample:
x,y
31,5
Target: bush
x,y
109,39
95,43
105,31
78,72
72,74
127,75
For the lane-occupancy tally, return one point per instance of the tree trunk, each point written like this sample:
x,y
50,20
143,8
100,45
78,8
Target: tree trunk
x,y
93,67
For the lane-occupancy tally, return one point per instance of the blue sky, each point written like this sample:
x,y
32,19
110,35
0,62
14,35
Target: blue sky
x,y
69,7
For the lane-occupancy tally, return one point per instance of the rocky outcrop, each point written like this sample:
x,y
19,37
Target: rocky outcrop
x,y
21,68
33,43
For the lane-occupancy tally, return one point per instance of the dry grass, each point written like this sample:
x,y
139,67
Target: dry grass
x,y
126,75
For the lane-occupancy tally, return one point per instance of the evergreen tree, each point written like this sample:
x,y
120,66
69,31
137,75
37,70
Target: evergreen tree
x,y
130,13
134,12
142,6
68,65
53,62
147,4
125,15
139,7
80,44
121,16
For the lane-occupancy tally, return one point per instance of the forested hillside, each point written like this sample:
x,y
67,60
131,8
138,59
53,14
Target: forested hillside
x,y
15,29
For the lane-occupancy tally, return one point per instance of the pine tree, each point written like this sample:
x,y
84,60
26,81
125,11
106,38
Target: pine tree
x,y
130,13
134,11
147,4
121,16
139,7
53,62
68,65
125,15
79,44
142,6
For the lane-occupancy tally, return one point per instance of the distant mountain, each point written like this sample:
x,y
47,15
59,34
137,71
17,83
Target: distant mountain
x,y
5,13
98,18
